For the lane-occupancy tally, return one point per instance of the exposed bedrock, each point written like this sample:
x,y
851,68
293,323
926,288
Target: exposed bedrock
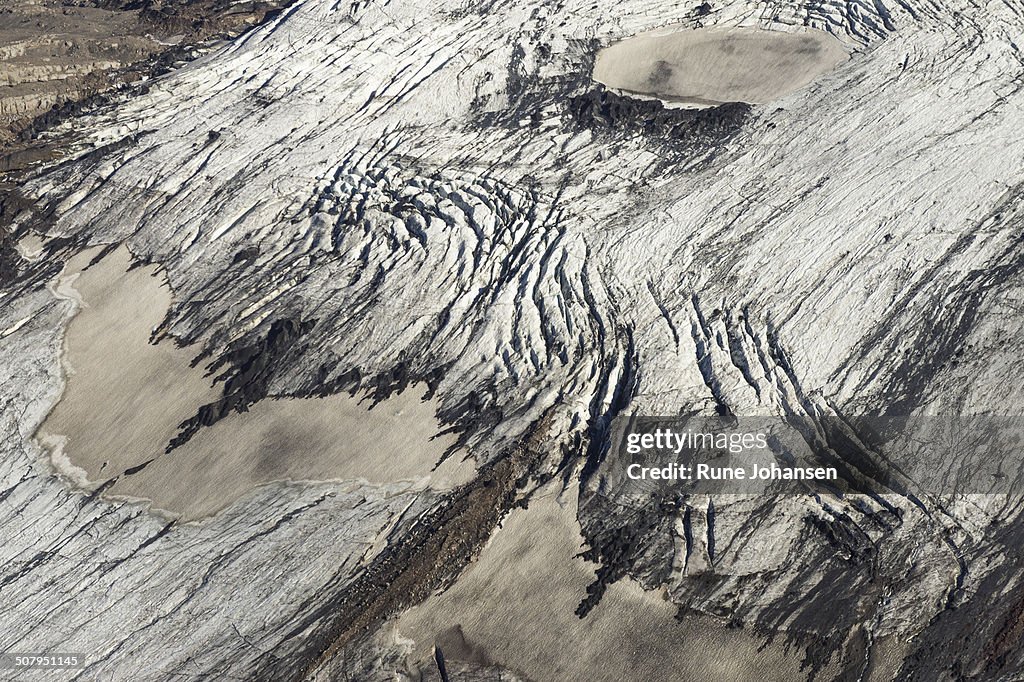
x,y
365,197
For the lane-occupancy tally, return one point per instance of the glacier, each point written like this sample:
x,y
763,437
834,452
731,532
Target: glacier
x,y
374,195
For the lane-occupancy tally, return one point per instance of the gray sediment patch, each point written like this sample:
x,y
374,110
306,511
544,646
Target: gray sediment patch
x,y
515,608
707,67
125,399
316,439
